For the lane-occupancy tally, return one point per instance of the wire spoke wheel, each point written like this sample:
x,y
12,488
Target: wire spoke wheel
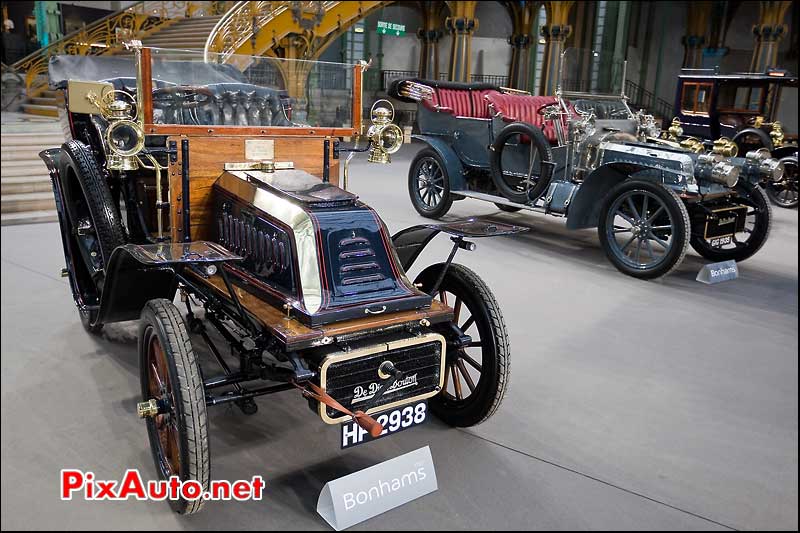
x,y
643,228
784,193
160,388
476,363
428,185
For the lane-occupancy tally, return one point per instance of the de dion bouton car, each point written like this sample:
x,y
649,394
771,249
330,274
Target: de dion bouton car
x,y
584,155
199,176
741,111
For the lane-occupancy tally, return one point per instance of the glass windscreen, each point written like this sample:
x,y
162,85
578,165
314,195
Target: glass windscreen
x,y
193,88
591,71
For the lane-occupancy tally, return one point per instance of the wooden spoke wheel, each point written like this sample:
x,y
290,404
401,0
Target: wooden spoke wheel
x,y
477,358
171,376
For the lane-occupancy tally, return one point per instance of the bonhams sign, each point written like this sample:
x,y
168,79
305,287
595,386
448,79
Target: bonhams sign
x,y
352,499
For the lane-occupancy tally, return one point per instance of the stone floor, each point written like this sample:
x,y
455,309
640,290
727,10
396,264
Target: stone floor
x,y
632,405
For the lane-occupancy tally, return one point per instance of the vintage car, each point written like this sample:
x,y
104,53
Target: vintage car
x,y
185,175
583,154
742,108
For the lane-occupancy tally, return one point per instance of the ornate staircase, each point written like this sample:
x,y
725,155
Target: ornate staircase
x,y
26,195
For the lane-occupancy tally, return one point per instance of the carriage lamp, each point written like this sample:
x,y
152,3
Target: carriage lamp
x,y
776,134
125,139
385,137
725,147
675,129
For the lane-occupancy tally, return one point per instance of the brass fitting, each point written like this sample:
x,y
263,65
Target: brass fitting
x,y
147,409
693,145
776,134
675,129
726,147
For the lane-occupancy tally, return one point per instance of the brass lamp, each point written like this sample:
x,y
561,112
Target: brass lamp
x,y
385,138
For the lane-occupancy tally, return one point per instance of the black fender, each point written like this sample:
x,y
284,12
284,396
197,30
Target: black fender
x,y
138,273
410,242
584,209
784,151
766,141
452,163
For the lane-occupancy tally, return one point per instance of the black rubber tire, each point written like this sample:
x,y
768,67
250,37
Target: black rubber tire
x,y
495,357
496,155
774,194
757,239
763,140
424,156
161,318
85,189
677,212
507,208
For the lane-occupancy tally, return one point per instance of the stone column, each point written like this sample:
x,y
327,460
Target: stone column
x,y
555,33
696,37
768,33
461,24
518,70
429,35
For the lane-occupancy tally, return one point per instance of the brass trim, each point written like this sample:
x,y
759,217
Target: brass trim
x,y
378,348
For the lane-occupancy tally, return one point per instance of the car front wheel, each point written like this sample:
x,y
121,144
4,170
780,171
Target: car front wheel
x,y
477,362
784,192
644,229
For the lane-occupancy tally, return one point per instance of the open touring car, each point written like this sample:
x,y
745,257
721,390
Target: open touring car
x,y
584,155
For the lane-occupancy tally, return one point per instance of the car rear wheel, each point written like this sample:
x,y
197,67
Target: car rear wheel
x,y
477,369
644,229
429,185
171,376
93,228
748,241
784,193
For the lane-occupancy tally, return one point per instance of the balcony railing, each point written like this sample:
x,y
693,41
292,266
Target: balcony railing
x,y
107,35
493,79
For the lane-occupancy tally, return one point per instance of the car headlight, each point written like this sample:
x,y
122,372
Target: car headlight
x,y
125,138
711,167
769,167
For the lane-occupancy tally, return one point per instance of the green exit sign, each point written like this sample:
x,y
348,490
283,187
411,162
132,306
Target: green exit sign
x,y
390,28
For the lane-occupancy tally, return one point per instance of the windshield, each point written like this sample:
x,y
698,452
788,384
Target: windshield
x,y
193,88
591,72
603,108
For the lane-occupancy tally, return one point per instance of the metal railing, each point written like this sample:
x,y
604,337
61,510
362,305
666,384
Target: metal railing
x,y
107,35
499,80
639,97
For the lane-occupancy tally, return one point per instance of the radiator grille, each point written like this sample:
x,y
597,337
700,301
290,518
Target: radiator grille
x,y
351,381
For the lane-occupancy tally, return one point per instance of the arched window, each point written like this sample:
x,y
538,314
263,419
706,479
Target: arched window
x,y
538,51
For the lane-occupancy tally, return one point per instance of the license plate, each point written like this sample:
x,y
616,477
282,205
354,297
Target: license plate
x,y
392,421
721,241
725,223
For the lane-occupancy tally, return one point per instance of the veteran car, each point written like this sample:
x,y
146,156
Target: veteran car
x,y
744,109
585,155
201,177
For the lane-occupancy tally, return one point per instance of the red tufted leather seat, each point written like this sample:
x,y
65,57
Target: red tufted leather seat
x,y
460,102
523,108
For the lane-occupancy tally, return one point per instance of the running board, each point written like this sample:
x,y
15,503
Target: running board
x,y
537,207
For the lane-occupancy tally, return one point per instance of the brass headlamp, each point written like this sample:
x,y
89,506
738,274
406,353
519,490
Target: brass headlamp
x,y
726,147
124,136
385,138
675,130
